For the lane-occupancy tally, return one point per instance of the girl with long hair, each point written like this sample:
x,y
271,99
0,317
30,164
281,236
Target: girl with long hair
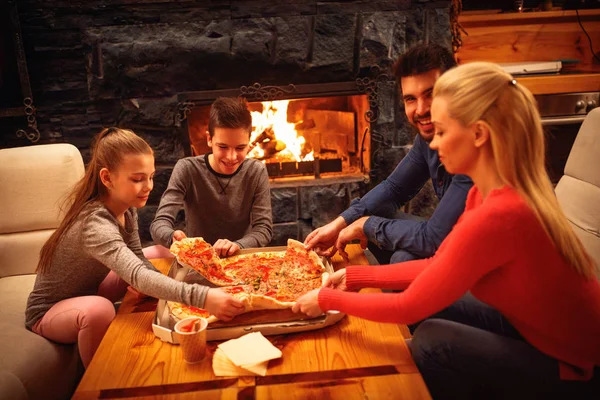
x,y
95,254
509,306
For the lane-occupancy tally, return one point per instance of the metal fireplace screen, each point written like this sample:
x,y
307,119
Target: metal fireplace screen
x,y
308,136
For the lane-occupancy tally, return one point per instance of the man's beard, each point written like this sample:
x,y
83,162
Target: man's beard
x,y
415,126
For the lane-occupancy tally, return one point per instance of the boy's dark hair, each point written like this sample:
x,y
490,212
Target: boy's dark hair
x,y
229,112
423,58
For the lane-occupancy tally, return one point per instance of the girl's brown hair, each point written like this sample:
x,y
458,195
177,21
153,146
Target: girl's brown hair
x,y
482,91
108,149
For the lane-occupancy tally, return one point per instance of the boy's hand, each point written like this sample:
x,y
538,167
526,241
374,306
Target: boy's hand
x,y
225,248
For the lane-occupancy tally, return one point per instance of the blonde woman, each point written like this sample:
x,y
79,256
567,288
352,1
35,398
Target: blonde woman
x,y
530,327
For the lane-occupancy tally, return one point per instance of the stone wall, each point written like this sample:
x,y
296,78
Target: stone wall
x,y
94,64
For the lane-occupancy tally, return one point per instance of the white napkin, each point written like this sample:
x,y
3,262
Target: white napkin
x,y
247,355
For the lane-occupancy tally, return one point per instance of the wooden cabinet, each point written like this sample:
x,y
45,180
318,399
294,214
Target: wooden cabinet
x,y
537,36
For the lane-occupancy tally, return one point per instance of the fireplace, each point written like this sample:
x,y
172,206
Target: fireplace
x,y
315,140
324,134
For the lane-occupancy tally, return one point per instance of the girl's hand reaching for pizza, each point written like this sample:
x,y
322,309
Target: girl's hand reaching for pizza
x,y
337,280
222,305
225,248
308,304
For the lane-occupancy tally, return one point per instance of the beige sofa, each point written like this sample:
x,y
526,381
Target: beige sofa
x,y
33,182
578,191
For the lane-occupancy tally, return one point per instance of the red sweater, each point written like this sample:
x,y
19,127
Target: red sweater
x,y
499,251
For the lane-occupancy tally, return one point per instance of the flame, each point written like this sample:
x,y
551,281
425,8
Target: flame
x,y
274,116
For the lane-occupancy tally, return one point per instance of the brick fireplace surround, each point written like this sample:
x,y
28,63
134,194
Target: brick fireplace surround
x,y
94,64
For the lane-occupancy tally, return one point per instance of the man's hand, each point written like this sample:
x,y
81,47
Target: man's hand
x,y
322,239
308,304
337,280
222,305
351,232
225,248
179,235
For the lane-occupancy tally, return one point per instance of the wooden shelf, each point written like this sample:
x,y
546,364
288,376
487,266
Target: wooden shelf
x,y
561,83
516,18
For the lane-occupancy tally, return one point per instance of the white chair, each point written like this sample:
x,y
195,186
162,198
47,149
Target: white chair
x,y
34,181
578,191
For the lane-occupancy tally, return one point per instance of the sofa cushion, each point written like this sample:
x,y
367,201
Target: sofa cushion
x,y
20,252
583,162
47,370
34,182
11,387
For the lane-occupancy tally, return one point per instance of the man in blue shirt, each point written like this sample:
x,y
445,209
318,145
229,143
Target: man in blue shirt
x,y
374,219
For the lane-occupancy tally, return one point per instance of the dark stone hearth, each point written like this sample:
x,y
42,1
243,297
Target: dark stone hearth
x,y
282,232
102,63
161,181
293,38
388,158
152,112
165,143
424,203
304,228
321,204
333,45
157,59
284,204
335,7
388,101
145,217
253,40
383,38
271,8
439,26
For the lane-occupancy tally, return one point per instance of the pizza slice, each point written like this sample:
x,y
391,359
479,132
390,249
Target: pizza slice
x,y
199,255
300,263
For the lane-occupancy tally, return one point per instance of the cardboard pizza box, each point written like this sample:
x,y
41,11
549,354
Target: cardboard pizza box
x,y
268,322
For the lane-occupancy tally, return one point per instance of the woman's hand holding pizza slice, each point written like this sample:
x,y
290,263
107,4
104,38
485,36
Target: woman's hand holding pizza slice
x,y
308,304
337,280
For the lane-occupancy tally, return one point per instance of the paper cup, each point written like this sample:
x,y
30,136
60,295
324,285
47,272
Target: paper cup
x,y
193,344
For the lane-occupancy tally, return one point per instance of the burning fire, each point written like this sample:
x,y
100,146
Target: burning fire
x,y
273,137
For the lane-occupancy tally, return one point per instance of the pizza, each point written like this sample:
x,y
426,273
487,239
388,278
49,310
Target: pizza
x,y
261,280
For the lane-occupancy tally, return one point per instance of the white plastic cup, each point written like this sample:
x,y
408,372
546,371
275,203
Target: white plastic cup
x,y
193,343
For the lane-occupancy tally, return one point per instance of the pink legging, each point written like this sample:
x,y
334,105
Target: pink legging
x,y
83,319
156,251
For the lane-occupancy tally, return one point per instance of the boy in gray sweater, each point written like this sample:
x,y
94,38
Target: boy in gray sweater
x,y
225,196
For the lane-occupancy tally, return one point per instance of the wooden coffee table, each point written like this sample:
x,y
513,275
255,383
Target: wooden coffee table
x,y
354,358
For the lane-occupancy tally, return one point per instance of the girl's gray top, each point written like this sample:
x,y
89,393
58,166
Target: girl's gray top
x,y
93,246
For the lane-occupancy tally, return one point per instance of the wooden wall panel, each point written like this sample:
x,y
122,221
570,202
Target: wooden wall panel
x,y
536,36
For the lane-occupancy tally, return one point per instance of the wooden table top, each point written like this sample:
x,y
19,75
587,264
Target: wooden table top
x,y
354,358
